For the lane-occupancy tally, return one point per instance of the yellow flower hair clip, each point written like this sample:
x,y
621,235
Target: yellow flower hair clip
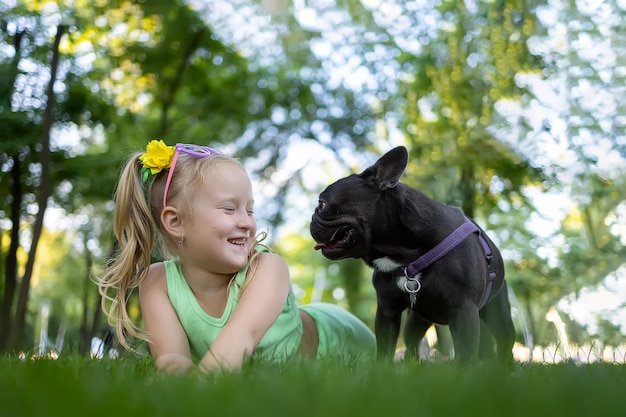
x,y
158,156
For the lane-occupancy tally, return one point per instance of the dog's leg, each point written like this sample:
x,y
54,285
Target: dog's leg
x,y
486,349
387,330
414,330
390,305
497,316
465,330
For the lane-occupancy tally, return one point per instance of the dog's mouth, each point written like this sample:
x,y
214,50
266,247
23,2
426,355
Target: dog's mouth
x,y
341,238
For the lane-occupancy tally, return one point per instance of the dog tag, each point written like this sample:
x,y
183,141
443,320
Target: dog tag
x,y
412,298
412,286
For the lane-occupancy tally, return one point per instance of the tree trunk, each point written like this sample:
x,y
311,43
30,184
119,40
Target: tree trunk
x,y
43,194
95,326
171,92
351,274
467,186
10,278
85,337
531,322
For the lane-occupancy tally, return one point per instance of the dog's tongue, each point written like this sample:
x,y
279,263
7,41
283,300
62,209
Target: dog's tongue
x,y
320,246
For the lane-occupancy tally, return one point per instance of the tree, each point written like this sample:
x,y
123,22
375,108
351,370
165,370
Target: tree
x,y
574,132
122,65
434,76
459,83
12,328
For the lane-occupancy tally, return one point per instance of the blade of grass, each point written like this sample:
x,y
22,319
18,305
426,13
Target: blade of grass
x,y
78,386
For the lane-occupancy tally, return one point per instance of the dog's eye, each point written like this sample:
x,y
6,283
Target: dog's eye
x,y
321,206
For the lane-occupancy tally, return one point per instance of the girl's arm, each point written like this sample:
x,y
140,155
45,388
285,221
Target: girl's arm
x,y
258,308
168,342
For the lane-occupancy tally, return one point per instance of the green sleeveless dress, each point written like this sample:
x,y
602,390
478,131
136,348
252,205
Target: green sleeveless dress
x,y
341,334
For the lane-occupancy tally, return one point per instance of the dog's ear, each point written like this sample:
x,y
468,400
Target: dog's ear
x,y
386,172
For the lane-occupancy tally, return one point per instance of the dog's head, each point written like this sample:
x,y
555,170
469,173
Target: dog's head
x,y
352,211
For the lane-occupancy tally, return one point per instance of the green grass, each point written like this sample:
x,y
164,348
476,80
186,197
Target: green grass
x,y
90,388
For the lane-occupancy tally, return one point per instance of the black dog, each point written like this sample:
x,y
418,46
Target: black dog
x,y
427,257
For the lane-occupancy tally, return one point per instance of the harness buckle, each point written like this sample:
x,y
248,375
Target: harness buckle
x,y
490,266
412,282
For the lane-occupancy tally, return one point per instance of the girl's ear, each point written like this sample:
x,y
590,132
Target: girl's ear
x,y
172,222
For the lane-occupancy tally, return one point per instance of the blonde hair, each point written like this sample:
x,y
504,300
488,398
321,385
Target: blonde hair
x,y
139,231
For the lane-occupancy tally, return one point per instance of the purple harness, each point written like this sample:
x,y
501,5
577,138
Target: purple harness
x,y
444,247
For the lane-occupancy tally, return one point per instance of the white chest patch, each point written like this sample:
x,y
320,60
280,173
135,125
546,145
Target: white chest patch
x,y
401,283
385,264
413,286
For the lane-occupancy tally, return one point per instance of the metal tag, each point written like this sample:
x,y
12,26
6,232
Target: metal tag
x,y
413,286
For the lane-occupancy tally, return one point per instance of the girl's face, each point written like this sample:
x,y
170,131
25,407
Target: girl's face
x,y
222,226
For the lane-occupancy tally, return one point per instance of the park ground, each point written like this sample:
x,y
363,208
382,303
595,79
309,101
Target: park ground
x,y
77,386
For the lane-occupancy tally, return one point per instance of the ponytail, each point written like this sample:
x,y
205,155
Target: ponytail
x,y
135,232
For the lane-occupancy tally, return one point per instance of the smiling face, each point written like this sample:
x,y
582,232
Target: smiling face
x,y
221,228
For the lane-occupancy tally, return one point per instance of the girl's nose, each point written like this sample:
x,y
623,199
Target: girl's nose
x,y
246,220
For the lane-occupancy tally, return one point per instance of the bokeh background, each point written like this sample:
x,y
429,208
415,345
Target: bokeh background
x,y
514,110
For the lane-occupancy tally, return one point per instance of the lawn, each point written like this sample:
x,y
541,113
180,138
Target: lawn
x,y
113,387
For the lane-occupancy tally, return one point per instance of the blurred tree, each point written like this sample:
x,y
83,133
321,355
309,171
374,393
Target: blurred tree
x,y
319,279
574,133
18,147
58,283
129,73
433,74
469,87
459,82
608,333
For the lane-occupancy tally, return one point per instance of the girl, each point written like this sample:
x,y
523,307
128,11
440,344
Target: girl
x,y
220,297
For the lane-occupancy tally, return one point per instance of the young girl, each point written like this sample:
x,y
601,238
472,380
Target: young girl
x,y
221,297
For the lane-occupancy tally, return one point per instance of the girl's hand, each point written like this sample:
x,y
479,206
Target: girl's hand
x,y
174,363
259,306
168,342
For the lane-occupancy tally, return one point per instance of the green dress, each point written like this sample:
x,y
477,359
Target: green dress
x,y
341,334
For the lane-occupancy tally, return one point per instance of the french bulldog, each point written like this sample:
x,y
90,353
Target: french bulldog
x,y
427,257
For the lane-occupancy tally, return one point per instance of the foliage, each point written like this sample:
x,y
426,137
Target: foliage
x,y
507,108
315,278
127,65
574,131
